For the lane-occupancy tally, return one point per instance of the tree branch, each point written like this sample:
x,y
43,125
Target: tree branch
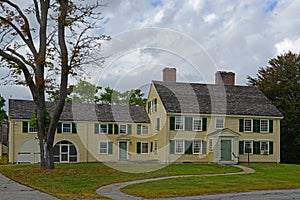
x,y
28,41
22,58
25,71
37,11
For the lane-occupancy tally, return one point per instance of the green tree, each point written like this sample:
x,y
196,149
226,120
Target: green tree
x,y
3,115
280,82
132,97
85,92
48,37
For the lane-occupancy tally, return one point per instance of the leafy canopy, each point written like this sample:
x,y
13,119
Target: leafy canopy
x,y
280,82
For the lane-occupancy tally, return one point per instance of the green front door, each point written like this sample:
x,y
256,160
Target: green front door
x,y
226,150
122,150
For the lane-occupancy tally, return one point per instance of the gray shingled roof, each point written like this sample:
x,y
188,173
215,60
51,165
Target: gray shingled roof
x,y
214,99
24,109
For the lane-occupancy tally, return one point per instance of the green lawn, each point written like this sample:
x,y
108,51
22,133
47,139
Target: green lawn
x,y
80,181
267,177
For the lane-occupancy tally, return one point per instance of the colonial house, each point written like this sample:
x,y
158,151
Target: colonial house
x,y
182,122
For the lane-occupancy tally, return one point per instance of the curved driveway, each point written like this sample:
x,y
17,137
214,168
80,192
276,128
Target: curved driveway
x,y
113,190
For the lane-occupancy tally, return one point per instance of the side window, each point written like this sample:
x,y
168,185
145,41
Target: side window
x,y
220,123
197,124
179,123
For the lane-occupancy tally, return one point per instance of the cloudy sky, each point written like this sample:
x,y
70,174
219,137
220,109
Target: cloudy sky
x,y
197,37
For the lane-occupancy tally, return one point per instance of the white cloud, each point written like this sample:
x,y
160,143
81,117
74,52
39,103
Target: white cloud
x,y
158,17
288,45
210,18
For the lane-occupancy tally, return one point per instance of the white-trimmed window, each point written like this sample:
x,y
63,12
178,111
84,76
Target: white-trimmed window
x,y
142,129
248,125
156,147
144,147
210,145
264,126
197,146
103,128
179,123
248,147
66,127
197,124
264,147
157,124
145,130
154,105
31,129
103,147
122,129
179,146
220,123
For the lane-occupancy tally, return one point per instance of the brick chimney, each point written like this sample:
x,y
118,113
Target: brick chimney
x,y
169,74
226,78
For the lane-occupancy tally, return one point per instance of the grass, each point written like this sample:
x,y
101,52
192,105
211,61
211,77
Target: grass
x,y
81,180
267,177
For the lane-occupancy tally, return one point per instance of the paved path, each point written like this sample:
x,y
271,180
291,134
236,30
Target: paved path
x,y
259,195
10,190
113,190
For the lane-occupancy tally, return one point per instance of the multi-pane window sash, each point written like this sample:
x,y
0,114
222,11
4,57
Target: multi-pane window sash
x,y
248,125
145,147
197,124
197,146
105,147
123,129
248,147
264,126
264,147
219,123
179,146
179,123
156,147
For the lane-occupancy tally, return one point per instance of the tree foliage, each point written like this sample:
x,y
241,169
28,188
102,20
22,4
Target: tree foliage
x,y
3,115
132,97
280,82
44,43
85,92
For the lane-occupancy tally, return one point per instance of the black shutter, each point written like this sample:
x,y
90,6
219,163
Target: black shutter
x,y
149,107
138,147
139,129
25,127
256,147
128,128
188,123
116,127
59,128
151,146
241,125
172,146
188,147
256,125
74,130
172,123
271,147
270,126
96,128
204,124
110,147
241,147
203,147
110,131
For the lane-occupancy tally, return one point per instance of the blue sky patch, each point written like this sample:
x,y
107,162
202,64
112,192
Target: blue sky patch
x,y
156,3
271,5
